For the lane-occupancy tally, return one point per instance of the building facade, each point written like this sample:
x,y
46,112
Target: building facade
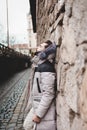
x,y
32,36
65,22
22,48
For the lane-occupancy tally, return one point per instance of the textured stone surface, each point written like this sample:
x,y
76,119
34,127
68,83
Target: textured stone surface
x,y
78,124
65,22
63,114
83,98
71,90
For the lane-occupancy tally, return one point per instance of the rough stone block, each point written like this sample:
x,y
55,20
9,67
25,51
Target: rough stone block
x,y
83,98
63,122
78,124
71,90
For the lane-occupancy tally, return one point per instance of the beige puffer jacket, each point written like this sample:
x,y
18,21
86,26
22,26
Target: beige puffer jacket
x,y
43,95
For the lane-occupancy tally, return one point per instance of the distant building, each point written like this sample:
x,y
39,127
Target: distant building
x,y
22,48
31,34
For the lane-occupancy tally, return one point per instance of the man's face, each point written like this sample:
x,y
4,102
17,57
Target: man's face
x,y
41,47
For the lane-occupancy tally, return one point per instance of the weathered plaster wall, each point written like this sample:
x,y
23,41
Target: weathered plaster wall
x,y
65,22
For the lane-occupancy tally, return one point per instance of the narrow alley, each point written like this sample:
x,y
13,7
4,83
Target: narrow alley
x,y
25,25
13,101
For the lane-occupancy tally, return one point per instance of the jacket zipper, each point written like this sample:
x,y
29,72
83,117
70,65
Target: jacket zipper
x,y
39,90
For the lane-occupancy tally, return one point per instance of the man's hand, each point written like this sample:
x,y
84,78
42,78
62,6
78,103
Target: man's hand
x,y
36,119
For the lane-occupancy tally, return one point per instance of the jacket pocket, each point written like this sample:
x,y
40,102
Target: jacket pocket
x,y
38,86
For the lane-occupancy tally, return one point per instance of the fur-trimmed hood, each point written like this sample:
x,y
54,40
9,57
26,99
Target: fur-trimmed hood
x,y
48,54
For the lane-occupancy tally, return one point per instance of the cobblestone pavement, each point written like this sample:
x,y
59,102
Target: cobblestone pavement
x,y
12,101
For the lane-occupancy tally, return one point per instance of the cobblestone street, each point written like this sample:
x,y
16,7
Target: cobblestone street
x,y
13,101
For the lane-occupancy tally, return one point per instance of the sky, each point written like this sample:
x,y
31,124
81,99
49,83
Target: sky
x,y
17,12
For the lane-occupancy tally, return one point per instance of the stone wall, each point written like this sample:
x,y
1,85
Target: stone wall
x,y
65,22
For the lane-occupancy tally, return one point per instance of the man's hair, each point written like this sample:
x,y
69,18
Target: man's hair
x,y
48,42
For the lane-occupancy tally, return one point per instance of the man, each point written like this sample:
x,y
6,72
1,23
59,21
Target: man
x,y
42,113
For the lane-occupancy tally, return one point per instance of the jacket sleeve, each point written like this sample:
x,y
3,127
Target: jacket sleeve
x,y
48,94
